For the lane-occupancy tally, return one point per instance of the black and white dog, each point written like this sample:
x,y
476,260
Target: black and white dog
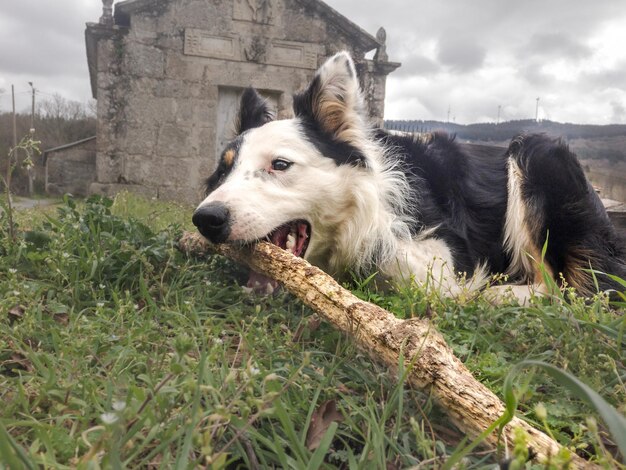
x,y
350,198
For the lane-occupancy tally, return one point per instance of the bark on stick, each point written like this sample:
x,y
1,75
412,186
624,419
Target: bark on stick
x,y
435,369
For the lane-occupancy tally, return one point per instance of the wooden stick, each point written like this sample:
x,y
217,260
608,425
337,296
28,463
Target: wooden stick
x,y
471,406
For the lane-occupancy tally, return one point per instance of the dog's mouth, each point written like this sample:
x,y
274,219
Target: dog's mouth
x,y
293,236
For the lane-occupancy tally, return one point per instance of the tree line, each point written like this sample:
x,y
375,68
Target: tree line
x,y
490,131
588,141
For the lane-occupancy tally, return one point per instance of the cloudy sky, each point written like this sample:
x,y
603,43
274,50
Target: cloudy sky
x,y
466,56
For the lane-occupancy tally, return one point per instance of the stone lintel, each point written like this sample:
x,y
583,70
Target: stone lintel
x,y
203,44
293,54
276,52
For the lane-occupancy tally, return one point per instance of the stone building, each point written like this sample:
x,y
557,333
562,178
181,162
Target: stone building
x,y
70,168
167,75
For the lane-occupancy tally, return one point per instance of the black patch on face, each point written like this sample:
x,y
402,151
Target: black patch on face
x,y
341,152
224,167
326,143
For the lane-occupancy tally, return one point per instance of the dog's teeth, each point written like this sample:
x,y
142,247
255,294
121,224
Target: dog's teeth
x,y
291,242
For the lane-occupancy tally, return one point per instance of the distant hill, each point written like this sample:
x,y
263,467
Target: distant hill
x,y
588,141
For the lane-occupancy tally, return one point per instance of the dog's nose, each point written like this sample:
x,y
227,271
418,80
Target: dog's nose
x,y
213,221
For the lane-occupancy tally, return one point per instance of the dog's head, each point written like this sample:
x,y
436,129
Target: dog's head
x,y
288,181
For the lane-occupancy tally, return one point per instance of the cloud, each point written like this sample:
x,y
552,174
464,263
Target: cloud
x,y
619,112
477,55
555,44
461,54
469,55
610,77
43,42
418,64
534,74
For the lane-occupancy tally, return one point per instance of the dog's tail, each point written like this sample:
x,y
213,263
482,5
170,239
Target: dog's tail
x,y
555,216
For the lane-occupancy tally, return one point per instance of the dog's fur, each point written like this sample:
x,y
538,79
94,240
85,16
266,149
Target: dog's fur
x,y
419,207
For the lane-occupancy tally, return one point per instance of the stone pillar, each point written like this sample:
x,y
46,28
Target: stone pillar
x,y
107,13
374,79
381,52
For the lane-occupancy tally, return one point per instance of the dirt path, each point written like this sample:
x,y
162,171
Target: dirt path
x,y
21,203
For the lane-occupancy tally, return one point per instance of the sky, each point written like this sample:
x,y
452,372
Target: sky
x,y
462,60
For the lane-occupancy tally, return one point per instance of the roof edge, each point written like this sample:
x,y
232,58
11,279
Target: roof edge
x,y
67,146
365,39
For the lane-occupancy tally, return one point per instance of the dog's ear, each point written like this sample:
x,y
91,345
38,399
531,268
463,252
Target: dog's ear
x,y
333,99
254,111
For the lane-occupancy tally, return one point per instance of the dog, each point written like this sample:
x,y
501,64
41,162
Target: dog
x,y
352,199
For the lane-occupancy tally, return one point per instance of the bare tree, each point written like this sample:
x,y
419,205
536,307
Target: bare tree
x,y
61,121
58,107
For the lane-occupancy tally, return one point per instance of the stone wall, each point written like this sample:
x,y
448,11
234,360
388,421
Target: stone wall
x,y
71,169
163,72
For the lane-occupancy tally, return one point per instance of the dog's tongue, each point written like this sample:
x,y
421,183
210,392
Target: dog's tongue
x,y
261,284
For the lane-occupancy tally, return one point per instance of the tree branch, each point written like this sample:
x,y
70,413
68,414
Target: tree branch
x,y
435,369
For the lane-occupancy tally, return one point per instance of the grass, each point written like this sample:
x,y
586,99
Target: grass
x,y
116,351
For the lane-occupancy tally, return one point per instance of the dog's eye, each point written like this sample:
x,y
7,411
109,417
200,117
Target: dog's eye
x,y
280,164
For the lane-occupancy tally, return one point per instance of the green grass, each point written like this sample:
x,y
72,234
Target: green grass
x,y
117,351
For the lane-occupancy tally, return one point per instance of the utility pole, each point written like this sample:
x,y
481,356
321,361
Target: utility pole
x,y
32,112
537,111
448,113
31,186
12,153
498,119
14,123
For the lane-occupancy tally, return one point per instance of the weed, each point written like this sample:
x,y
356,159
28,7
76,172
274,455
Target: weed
x,y
28,146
